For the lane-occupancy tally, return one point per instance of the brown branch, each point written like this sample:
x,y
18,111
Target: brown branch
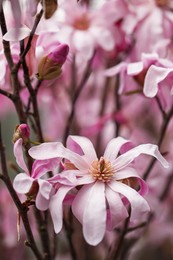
x,y
79,88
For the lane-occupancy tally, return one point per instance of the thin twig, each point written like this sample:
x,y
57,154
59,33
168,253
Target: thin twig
x,y
75,98
161,138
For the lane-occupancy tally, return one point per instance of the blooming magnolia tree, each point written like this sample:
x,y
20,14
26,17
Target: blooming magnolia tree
x,y
90,86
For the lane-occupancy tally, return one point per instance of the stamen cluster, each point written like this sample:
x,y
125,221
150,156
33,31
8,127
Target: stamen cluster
x,y
101,170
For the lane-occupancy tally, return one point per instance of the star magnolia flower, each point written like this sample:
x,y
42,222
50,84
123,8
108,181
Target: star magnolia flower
x,y
84,30
98,204
33,185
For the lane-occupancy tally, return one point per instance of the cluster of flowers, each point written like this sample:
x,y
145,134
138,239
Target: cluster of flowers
x,y
98,184
92,74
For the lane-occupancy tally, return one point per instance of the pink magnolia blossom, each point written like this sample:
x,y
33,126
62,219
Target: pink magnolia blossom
x,y
84,29
32,184
105,183
48,193
157,77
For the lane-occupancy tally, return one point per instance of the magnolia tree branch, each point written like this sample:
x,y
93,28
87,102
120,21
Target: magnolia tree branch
x,y
164,127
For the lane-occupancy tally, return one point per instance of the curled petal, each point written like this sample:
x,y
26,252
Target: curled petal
x,y
44,188
113,148
153,77
41,202
18,153
40,167
149,149
66,177
22,183
86,146
117,211
129,173
54,150
138,204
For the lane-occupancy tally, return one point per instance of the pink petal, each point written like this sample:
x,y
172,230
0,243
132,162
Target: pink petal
x,y
116,69
54,150
86,146
139,205
18,153
125,173
40,167
153,77
135,68
83,42
94,217
44,188
149,149
128,173
81,201
89,207
56,207
22,183
117,209
87,179
66,177
17,34
47,151
41,202
113,148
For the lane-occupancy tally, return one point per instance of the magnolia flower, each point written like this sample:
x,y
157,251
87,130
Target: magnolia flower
x,y
104,182
84,30
33,185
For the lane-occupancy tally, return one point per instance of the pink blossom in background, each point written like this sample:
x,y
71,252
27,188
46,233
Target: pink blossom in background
x,y
84,29
102,179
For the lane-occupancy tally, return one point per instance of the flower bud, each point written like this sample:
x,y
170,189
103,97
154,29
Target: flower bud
x,y
49,66
21,131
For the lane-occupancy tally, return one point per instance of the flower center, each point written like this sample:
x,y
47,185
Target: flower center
x,y
101,170
162,3
82,23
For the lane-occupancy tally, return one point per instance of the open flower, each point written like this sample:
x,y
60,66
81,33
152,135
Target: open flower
x,y
104,182
34,184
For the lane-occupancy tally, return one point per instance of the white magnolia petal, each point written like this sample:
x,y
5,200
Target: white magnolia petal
x,y
18,153
41,202
54,150
113,148
153,77
115,70
138,204
125,173
94,216
148,149
81,199
17,34
22,183
56,207
45,188
86,146
117,210
135,68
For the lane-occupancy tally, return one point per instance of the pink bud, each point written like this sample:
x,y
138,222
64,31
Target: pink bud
x,y
49,66
21,131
